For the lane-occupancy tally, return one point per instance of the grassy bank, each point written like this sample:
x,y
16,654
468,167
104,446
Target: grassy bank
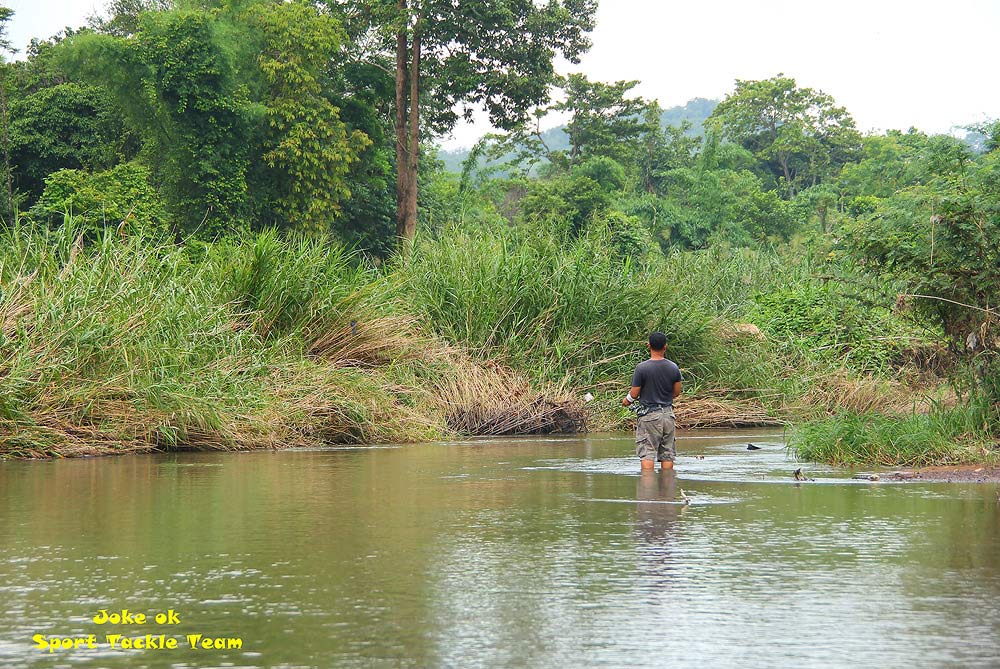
x,y
124,345
577,313
117,343
955,435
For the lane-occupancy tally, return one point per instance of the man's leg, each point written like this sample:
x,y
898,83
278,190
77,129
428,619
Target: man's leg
x,y
666,451
647,436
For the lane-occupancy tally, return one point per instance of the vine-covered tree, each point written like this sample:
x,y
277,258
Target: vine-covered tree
x,y
231,104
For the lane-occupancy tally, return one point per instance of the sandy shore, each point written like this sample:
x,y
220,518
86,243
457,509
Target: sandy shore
x,y
949,473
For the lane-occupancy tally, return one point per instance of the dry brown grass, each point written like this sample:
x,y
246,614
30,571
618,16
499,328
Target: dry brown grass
x,y
487,398
836,392
473,397
695,412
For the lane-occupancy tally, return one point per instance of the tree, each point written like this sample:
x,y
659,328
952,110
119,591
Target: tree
x,y
123,16
605,122
5,46
984,137
447,54
67,126
939,240
363,92
235,109
180,87
307,146
664,148
799,132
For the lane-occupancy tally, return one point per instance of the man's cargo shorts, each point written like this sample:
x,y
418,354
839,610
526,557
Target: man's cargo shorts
x,y
654,435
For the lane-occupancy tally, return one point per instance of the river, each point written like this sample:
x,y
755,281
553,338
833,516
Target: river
x,y
531,552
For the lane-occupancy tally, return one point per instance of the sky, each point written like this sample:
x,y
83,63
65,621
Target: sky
x,y
892,63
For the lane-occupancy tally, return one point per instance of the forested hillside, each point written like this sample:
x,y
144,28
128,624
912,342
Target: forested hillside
x,y
691,116
269,172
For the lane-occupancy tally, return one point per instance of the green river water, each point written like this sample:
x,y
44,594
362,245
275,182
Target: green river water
x,y
503,553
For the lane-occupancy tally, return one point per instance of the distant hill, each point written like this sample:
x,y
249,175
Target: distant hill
x,y
696,111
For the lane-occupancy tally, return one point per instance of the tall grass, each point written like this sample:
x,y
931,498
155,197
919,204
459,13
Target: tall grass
x,y
572,313
124,343
943,436
578,314
110,344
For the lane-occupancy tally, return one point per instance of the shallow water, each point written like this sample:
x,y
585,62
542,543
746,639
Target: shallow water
x,y
500,553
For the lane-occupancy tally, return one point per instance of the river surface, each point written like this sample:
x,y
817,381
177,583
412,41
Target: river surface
x,y
501,553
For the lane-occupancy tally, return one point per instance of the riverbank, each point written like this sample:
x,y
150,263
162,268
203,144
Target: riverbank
x,y
126,345
123,344
975,473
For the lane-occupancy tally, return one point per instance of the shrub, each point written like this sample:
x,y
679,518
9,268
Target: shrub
x,y
122,196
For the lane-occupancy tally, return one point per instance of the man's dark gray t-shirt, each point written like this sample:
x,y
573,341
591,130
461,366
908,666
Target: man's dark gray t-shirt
x,y
656,378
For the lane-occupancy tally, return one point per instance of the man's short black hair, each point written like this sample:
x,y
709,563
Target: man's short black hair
x,y
658,341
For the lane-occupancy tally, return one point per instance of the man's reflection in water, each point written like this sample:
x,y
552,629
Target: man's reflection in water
x,y
657,510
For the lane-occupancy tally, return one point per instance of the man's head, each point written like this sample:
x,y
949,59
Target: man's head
x,y
658,342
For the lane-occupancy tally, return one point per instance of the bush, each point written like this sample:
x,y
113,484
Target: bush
x,y
122,196
628,238
827,325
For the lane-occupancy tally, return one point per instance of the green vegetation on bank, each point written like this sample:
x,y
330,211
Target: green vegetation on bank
x,y
123,343
957,435
225,226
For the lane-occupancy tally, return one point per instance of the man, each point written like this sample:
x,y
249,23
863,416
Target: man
x,y
655,385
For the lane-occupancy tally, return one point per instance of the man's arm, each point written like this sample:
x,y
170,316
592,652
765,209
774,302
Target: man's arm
x,y
633,394
638,379
677,389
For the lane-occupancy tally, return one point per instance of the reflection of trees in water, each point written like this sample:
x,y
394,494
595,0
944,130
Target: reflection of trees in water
x,y
951,575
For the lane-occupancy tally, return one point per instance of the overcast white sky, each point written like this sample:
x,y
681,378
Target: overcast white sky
x,y
892,63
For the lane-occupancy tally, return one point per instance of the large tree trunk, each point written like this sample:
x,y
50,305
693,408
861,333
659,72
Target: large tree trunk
x,y
402,159
410,212
407,126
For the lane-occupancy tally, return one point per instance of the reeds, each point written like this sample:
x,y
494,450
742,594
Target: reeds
x,y
116,344
125,343
954,435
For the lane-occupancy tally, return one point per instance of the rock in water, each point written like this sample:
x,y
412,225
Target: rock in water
x,y
752,447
